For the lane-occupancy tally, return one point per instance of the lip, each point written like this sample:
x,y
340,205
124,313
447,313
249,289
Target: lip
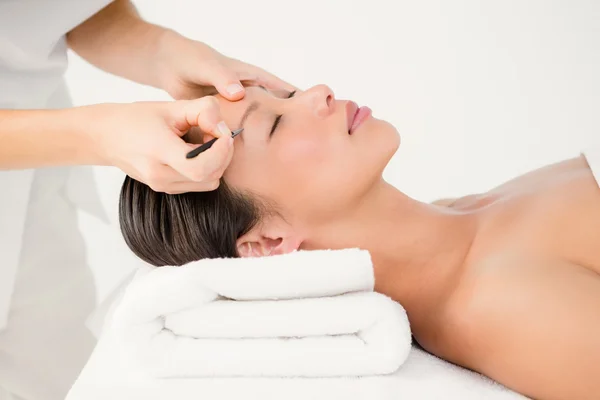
x,y
356,115
351,110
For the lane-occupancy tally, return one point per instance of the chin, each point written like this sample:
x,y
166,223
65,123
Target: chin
x,y
390,138
377,145
384,144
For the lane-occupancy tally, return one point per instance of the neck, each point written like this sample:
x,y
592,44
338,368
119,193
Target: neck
x,y
417,249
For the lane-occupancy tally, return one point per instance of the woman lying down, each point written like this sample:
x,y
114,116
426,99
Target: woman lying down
x,y
506,283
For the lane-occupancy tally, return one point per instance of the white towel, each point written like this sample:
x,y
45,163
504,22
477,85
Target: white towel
x,y
304,314
108,375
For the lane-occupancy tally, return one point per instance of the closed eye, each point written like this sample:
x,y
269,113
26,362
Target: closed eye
x,y
278,118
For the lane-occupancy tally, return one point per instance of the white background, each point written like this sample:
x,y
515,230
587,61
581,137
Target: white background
x,y
481,91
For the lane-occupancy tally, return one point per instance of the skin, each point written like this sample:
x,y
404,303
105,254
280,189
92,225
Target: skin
x,y
506,283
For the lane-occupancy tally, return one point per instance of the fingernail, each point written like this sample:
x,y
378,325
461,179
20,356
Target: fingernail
x,y
234,88
223,129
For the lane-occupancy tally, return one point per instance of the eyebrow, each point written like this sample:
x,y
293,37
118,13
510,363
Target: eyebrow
x,y
251,108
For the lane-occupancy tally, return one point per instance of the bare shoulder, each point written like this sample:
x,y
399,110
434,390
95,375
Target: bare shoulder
x,y
533,326
445,201
554,172
456,201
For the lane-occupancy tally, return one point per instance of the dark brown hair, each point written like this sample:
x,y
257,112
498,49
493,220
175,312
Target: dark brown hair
x,y
164,229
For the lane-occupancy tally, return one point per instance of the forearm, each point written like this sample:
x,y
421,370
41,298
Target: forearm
x,y
42,138
118,41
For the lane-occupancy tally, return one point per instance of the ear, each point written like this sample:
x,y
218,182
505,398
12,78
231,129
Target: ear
x,y
270,238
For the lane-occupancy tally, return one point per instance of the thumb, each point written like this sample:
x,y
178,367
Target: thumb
x,y
225,81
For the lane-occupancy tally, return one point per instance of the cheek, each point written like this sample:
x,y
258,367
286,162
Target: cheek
x,y
295,167
309,176
286,171
291,172
302,154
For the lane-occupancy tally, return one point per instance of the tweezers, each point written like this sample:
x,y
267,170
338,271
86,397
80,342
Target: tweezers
x,y
209,144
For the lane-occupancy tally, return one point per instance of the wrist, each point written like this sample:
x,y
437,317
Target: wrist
x,y
80,125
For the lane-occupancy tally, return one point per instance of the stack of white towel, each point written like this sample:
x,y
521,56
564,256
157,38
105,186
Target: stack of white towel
x,y
305,325
305,314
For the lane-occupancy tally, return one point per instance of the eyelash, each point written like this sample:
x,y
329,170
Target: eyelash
x,y
278,119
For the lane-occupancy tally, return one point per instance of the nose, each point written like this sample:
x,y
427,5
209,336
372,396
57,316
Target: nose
x,y
321,99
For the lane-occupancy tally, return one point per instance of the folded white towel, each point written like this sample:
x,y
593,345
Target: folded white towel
x,y
304,314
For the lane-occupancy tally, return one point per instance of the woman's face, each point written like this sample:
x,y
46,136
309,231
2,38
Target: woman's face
x,y
312,155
